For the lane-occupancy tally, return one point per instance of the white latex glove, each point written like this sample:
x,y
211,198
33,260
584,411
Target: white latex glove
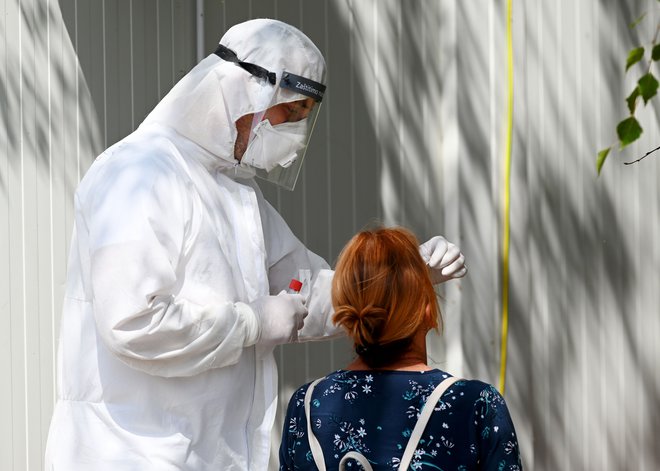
x,y
280,318
443,258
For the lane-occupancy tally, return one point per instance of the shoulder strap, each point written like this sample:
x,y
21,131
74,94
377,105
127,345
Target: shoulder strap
x,y
413,441
314,445
423,420
354,455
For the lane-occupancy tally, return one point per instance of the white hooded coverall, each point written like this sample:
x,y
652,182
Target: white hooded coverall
x,y
157,363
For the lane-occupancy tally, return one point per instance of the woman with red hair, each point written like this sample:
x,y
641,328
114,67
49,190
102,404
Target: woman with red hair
x,y
388,409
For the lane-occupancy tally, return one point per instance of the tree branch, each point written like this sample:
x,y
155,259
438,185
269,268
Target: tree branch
x,y
642,157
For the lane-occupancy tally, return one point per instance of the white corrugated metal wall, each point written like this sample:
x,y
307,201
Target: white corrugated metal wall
x,y
411,132
74,76
586,311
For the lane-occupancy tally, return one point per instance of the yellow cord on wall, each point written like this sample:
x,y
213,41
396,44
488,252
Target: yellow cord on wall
x,y
507,198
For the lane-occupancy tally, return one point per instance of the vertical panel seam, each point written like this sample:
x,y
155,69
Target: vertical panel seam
x,y
303,202
105,80
9,271
158,84
400,213
172,42
77,72
379,157
328,106
22,185
130,34
351,91
50,201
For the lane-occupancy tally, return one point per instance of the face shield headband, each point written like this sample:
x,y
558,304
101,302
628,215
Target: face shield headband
x,y
280,149
296,83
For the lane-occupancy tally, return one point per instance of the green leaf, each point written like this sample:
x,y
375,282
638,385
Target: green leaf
x,y
648,87
628,131
655,54
634,56
637,21
602,155
632,100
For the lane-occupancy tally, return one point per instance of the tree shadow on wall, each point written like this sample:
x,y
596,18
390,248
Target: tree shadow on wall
x,y
582,284
46,97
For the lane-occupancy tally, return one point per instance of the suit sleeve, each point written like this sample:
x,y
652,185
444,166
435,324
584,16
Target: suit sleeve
x,y
289,258
140,221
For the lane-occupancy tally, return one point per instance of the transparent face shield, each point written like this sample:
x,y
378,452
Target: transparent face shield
x,y
280,134
282,137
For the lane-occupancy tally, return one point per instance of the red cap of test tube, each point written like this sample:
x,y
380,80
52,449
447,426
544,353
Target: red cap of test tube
x,y
295,286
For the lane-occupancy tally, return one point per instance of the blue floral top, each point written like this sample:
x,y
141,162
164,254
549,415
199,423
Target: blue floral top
x,y
374,413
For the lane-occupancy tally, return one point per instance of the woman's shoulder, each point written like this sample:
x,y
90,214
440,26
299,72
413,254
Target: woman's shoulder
x,y
476,388
365,380
475,395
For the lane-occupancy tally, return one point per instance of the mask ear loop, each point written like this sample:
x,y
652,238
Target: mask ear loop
x,y
256,119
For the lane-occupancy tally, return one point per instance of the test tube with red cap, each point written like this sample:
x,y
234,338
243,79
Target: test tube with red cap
x,y
295,286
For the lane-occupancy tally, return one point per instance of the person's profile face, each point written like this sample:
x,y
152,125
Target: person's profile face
x,y
289,112
242,135
283,113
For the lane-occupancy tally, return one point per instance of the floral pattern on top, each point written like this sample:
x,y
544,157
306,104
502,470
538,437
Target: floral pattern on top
x,y
374,413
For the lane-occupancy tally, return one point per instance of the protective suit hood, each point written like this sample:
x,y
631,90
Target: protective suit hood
x,y
205,104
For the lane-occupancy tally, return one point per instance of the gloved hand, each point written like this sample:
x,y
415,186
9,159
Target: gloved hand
x,y
443,258
280,318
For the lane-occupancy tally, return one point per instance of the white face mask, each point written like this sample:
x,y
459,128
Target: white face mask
x,y
275,145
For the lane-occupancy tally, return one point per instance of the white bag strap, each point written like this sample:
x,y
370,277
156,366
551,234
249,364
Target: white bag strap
x,y
413,441
314,444
423,420
354,455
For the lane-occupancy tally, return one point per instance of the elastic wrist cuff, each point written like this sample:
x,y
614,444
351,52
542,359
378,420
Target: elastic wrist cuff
x,y
252,324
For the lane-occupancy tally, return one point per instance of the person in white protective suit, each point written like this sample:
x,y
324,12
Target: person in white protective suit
x,y
172,309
